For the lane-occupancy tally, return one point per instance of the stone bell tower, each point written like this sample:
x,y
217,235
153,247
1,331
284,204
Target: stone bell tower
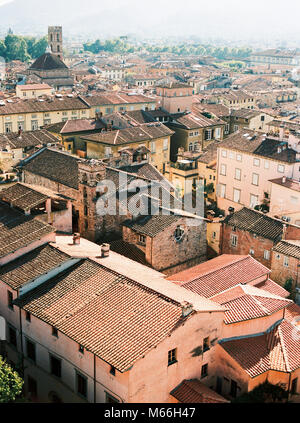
x,y
55,40
90,173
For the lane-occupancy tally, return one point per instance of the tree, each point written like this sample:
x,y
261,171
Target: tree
x,y
2,49
10,383
16,48
289,284
38,47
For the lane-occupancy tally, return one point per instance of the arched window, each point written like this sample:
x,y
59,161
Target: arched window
x,y
179,233
190,146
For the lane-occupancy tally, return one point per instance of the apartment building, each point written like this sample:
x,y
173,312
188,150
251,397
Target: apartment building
x,y
113,73
155,137
237,99
118,102
50,293
285,264
194,132
33,90
247,162
285,199
175,97
248,231
32,114
248,118
258,324
29,115
276,56
17,146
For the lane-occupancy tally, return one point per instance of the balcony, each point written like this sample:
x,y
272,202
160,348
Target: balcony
x,y
185,166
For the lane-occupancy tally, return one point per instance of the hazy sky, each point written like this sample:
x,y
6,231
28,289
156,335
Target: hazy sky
x,y
216,18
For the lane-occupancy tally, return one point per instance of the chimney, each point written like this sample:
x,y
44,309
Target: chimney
x,y
76,239
105,248
20,133
231,210
187,308
284,179
284,229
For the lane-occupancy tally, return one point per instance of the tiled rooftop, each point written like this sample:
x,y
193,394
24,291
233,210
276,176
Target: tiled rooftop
x,y
288,248
22,196
18,231
217,275
193,391
31,265
256,222
131,135
277,350
111,315
27,139
246,302
63,168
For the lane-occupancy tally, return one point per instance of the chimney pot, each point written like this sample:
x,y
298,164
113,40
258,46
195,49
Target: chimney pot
x,y
105,248
76,239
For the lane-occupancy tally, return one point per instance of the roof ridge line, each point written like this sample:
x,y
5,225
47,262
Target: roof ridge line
x,y
219,268
284,352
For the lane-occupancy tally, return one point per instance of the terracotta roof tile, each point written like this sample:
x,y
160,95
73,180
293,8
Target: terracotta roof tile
x,y
22,196
246,302
193,391
31,265
63,168
288,248
278,350
273,288
131,135
256,222
27,139
18,231
112,316
217,275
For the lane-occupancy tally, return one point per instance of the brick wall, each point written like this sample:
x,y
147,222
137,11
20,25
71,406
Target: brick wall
x,y
167,253
245,242
280,272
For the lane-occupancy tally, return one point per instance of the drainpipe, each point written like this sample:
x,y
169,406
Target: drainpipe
x,y
95,384
95,394
289,387
21,339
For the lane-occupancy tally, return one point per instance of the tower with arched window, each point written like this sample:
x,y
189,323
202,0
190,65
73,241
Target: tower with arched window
x,y
55,40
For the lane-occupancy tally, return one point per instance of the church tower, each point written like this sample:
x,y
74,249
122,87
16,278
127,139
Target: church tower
x,y
90,173
55,40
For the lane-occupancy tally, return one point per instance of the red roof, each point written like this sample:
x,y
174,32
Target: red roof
x,y
193,391
292,312
246,302
273,288
277,350
34,87
215,276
